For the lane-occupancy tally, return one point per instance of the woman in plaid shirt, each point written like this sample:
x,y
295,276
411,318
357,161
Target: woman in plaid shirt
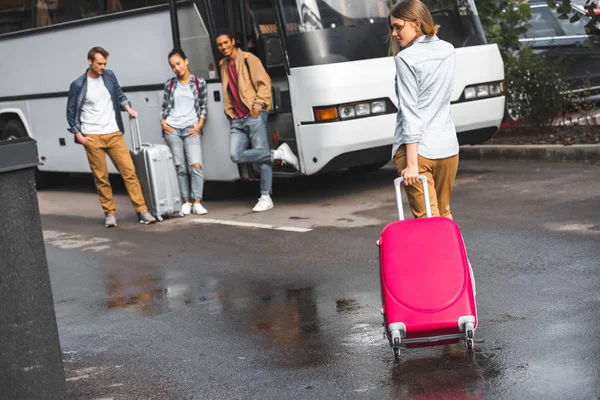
x,y
183,115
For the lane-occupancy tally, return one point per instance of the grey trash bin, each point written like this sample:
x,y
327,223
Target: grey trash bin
x,y
30,357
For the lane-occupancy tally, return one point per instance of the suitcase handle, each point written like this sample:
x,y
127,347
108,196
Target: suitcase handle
x,y
398,183
135,134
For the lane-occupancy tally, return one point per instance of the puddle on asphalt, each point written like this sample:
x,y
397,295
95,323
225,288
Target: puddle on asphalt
x,y
298,327
144,289
286,321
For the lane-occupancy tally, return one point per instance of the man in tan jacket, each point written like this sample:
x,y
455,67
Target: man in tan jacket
x,y
247,100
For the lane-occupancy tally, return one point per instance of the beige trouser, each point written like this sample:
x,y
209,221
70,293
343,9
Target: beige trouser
x,y
114,145
440,179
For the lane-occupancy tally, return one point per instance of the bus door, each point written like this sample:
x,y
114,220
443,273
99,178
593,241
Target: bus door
x,y
195,30
265,40
255,26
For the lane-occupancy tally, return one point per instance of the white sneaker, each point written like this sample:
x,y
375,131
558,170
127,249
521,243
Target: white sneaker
x,y
186,208
289,157
264,204
198,209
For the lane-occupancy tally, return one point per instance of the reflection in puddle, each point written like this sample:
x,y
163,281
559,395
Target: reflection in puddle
x,y
288,327
144,288
285,322
452,376
346,305
288,321
143,293
287,317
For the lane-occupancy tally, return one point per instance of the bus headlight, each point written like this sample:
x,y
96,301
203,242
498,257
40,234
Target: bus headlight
x,y
486,90
362,109
348,111
470,93
495,89
483,91
378,107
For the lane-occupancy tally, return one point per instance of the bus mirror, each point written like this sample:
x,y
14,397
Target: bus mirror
x,y
271,51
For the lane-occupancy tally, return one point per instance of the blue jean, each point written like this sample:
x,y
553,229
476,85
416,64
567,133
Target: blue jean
x,y
252,131
187,151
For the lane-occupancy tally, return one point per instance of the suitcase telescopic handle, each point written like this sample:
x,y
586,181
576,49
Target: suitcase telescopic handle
x,y
136,139
398,182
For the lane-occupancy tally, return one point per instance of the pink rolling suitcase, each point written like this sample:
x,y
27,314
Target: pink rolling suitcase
x,y
427,284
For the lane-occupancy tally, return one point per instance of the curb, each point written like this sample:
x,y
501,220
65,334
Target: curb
x,y
555,153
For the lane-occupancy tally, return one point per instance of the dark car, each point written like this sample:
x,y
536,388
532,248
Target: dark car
x,y
555,38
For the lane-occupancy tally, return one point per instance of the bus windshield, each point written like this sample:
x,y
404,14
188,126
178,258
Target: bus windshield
x,y
331,31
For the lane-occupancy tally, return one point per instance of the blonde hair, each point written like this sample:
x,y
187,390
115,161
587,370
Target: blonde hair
x,y
412,11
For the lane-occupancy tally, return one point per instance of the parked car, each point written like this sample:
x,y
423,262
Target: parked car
x,y
554,38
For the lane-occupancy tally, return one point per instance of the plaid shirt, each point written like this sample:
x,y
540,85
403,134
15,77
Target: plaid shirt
x,y
198,87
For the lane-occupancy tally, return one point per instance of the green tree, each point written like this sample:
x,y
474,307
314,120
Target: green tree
x,y
564,12
503,22
535,90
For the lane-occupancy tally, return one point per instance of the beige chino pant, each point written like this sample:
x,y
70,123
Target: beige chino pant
x,y
114,145
440,179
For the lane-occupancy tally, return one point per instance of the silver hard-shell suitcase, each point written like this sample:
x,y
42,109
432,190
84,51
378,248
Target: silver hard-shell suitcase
x,y
155,168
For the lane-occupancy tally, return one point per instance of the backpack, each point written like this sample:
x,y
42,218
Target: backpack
x,y
173,83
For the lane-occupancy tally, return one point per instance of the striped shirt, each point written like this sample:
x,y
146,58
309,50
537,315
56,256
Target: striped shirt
x,y
239,108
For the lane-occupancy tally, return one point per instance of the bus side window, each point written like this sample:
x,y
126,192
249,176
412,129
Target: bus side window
x,y
50,12
15,16
42,13
124,5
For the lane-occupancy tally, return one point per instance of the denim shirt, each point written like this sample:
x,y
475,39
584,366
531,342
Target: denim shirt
x,y
424,84
76,99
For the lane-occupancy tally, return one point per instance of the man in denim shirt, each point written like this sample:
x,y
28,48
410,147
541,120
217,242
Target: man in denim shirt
x,y
94,117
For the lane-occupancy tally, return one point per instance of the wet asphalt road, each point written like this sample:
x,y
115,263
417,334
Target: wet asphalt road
x,y
184,310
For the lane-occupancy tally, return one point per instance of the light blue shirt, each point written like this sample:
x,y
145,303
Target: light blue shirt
x,y
424,84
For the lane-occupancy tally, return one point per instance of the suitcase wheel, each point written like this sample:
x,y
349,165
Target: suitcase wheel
x,y
396,348
159,218
469,340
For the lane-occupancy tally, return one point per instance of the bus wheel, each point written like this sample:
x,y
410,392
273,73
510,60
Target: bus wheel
x,y
13,129
368,168
48,180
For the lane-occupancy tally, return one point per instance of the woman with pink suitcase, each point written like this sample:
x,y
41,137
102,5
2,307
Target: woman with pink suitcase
x,y
425,139
428,290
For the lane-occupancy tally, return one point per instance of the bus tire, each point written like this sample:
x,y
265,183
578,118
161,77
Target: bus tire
x,y
48,180
13,129
477,136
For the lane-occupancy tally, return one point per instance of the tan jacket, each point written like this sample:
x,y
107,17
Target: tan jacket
x,y
254,86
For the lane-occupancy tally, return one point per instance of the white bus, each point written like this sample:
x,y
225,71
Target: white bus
x,y
333,80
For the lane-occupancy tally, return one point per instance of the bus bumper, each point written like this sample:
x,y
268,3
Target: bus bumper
x,y
367,140
321,143
476,115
